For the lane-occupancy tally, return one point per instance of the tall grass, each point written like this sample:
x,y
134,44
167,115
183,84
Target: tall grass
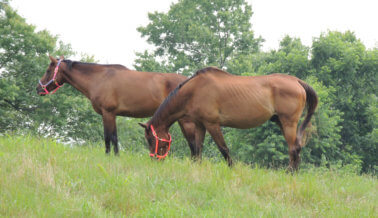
x,y
39,178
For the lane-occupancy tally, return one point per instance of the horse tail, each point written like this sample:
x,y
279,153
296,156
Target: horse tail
x,y
311,102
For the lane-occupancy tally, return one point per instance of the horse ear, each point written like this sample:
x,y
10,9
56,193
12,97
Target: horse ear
x,y
52,59
143,125
62,57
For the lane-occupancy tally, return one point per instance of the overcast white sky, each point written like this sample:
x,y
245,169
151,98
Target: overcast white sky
x,y
107,29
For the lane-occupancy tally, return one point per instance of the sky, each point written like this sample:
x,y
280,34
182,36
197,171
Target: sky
x,y
107,29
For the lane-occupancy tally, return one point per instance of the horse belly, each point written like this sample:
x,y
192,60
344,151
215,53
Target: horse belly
x,y
242,121
244,115
137,109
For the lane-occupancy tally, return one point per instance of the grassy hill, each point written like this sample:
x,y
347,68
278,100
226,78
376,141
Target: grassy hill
x,y
39,178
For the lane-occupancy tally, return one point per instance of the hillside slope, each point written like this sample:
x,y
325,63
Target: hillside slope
x,y
39,177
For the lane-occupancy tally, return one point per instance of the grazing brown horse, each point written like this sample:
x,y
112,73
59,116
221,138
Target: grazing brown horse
x,y
115,90
213,98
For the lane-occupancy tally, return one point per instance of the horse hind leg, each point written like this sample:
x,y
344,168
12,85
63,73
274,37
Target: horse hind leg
x,y
289,129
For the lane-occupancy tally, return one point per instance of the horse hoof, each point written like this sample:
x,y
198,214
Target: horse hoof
x,y
230,164
291,170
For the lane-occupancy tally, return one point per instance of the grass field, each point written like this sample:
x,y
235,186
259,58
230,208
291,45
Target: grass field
x,y
41,178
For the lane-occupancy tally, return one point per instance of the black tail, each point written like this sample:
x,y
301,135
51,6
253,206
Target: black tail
x,y
311,102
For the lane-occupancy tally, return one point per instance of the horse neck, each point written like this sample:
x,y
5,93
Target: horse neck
x,y
168,113
80,79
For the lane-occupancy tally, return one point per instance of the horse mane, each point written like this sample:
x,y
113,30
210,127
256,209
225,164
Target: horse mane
x,y
71,64
210,69
199,72
168,100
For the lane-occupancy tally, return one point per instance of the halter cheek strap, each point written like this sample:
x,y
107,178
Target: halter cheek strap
x,y
157,139
44,86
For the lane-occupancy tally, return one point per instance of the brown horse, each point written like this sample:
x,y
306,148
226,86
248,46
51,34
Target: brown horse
x,y
115,90
213,98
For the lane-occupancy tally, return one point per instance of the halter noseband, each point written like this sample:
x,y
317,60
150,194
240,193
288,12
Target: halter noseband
x,y
157,139
44,86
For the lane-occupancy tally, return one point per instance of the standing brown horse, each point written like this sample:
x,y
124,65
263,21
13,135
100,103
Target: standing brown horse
x,y
115,90
213,98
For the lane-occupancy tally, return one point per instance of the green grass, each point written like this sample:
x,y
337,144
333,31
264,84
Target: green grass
x,y
42,178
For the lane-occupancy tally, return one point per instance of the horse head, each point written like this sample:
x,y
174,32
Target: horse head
x,y
51,80
159,142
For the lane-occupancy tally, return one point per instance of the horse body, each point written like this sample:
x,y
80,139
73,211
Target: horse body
x,y
245,102
131,93
114,90
214,98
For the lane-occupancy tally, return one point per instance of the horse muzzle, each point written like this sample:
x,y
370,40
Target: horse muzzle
x,y
40,91
158,157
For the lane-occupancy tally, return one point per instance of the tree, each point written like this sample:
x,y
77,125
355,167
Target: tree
x,y
198,33
23,61
291,58
21,48
340,60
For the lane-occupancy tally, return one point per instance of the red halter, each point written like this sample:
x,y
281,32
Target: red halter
x,y
157,139
44,86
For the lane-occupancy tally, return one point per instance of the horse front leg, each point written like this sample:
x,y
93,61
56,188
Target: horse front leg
x,y
216,133
188,130
110,131
200,132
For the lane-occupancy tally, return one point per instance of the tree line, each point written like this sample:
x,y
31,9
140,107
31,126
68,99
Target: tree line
x,y
194,34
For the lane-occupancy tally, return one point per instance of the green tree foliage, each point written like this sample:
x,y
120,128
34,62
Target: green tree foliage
x,y
23,61
197,33
323,147
341,60
369,140
290,58
21,49
147,62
